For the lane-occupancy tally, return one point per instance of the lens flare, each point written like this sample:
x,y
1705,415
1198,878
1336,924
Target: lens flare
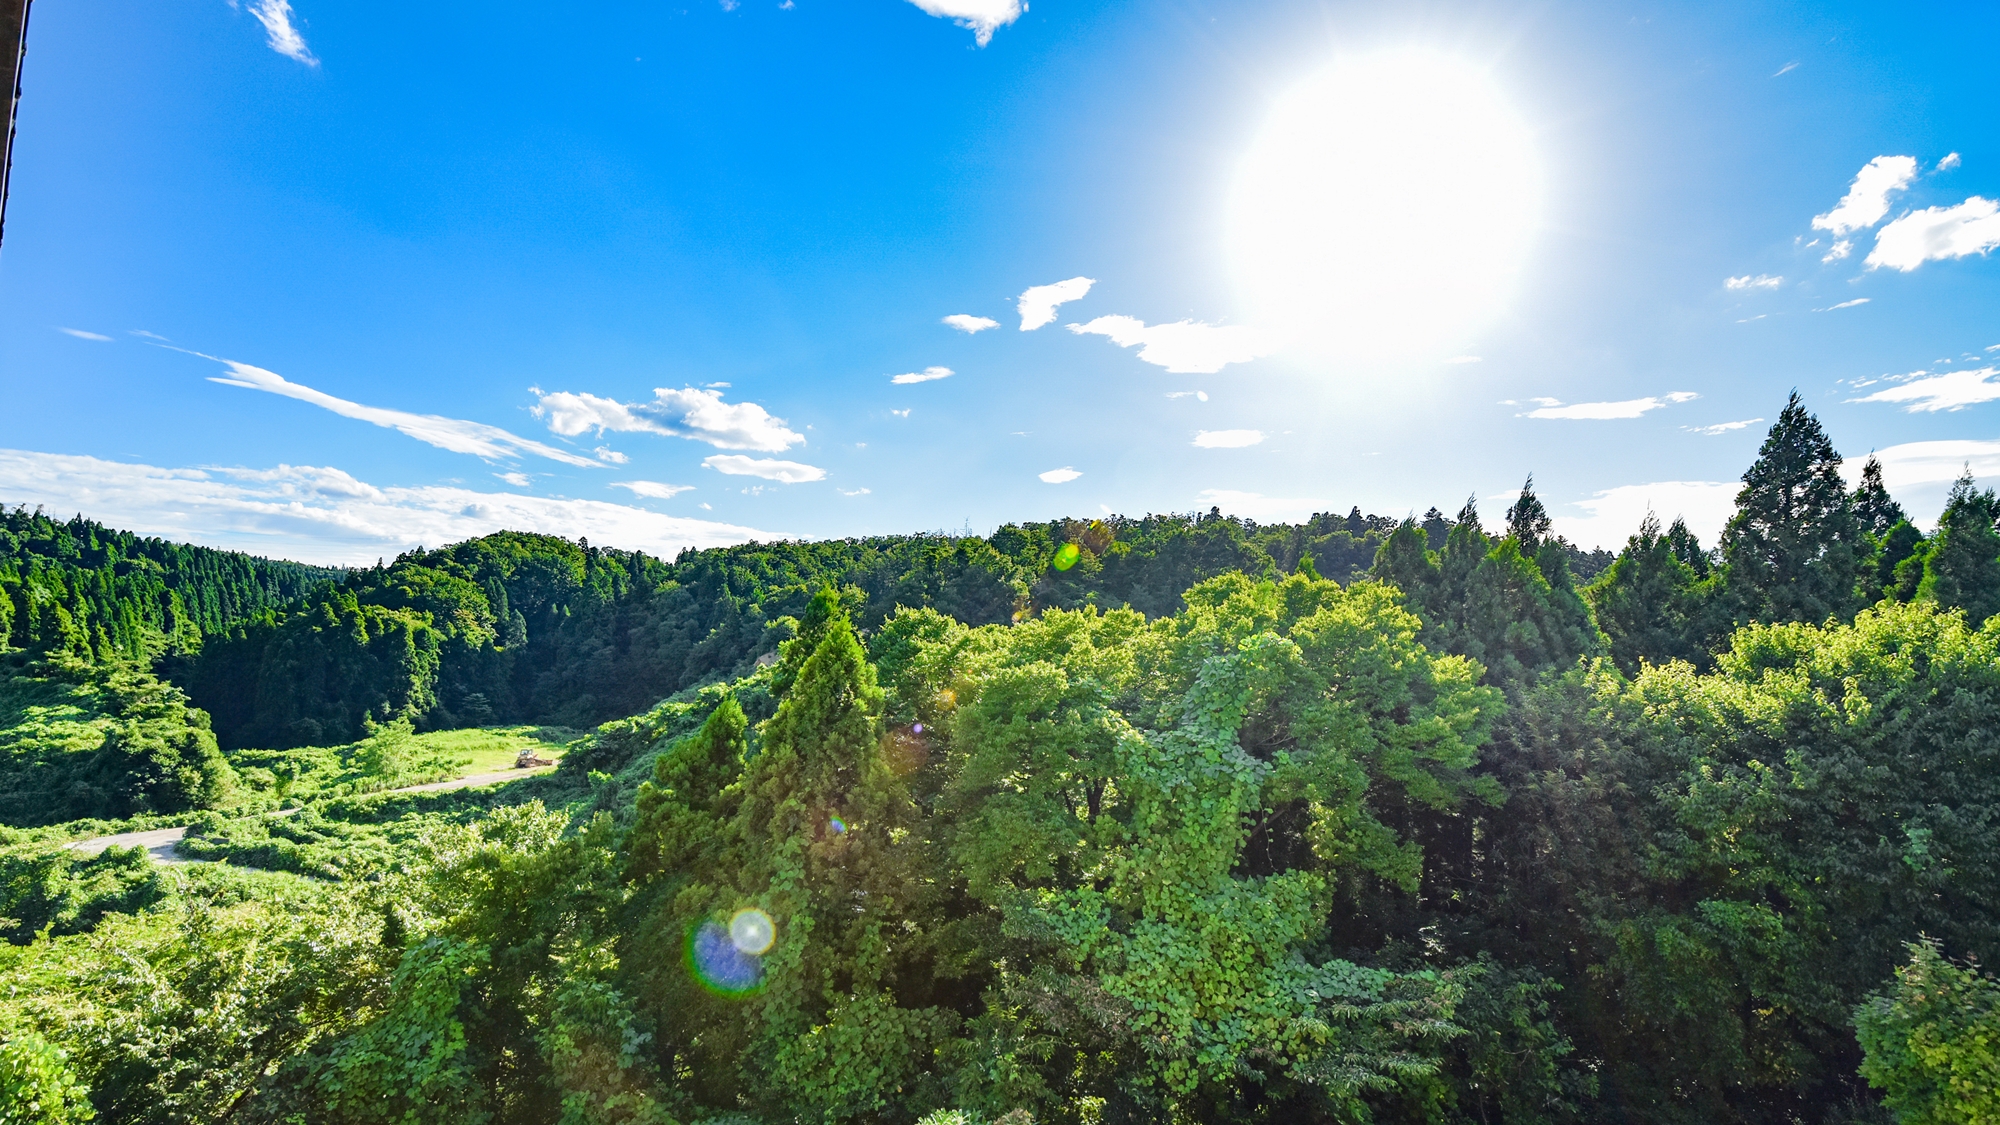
x,y
837,825
916,728
752,931
1066,556
719,966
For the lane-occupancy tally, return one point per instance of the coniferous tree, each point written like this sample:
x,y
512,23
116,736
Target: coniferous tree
x,y
1528,521
1890,535
1962,568
1874,509
1687,548
1645,602
1794,548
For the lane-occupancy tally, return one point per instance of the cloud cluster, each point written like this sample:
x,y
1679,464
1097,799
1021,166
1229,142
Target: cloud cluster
x,y
279,34
1185,347
324,515
454,434
652,489
1227,439
1038,303
1937,233
1604,411
1925,393
981,17
969,324
1761,281
690,412
785,472
1867,199
927,375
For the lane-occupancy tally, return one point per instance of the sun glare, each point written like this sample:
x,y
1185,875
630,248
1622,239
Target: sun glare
x,y
1385,208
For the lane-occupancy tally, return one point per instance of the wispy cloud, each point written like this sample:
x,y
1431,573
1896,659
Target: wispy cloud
x,y
149,335
1186,347
1198,396
1466,359
1063,475
1724,427
854,491
786,472
1867,199
279,33
1924,393
1786,69
1227,439
652,489
1038,303
324,515
981,17
1605,411
1837,251
1936,233
454,434
610,456
518,480
969,324
82,335
1846,304
1257,506
1614,514
1761,281
1949,162
927,375
691,412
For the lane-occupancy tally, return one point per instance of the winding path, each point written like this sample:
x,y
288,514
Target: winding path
x,y
163,844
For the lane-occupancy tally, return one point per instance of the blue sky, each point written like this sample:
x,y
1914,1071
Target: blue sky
x,y
328,280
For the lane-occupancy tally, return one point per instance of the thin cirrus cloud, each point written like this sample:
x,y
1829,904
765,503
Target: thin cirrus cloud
x,y
981,17
82,335
1063,475
927,375
1227,439
652,489
695,413
1937,233
1951,160
784,472
1921,392
279,32
970,325
1846,304
454,434
1761,281
1038,303
1867,198
1607,411
1185,347
1724,427
324,515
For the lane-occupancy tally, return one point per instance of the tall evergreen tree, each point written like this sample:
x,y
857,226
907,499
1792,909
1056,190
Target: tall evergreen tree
x,y
1962,570
1528,521
1794,548
1874,508
1645,602
1890,535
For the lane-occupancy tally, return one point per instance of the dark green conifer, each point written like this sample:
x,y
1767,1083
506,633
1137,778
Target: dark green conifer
x,y
1962,569
1644,601
1794,548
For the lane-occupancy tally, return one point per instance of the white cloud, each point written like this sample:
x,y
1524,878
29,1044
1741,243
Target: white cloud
x,y
1256,506
1786,69
982,17
1198,396
1615,514
1952,390
1038,302
148,335
1761,281
1846,304
1949,162
1227,439
518,480
696,413
926,375
1936,233
279,34
652,489
969,324
1867,199
323,515
1837,251
789,472
1060,476
1466,359
1605,411
82,335
903,413
854,491
454,434
1185,347
1724,427
610,456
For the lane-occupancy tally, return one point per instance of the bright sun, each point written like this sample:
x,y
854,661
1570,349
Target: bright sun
x,y
1385,208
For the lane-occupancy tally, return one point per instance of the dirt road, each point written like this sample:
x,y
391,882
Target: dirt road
x,y
163,844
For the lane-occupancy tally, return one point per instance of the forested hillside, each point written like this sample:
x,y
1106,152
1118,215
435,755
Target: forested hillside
x,y
1176,819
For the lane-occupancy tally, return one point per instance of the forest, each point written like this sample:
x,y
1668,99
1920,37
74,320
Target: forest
x,y
1184,818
